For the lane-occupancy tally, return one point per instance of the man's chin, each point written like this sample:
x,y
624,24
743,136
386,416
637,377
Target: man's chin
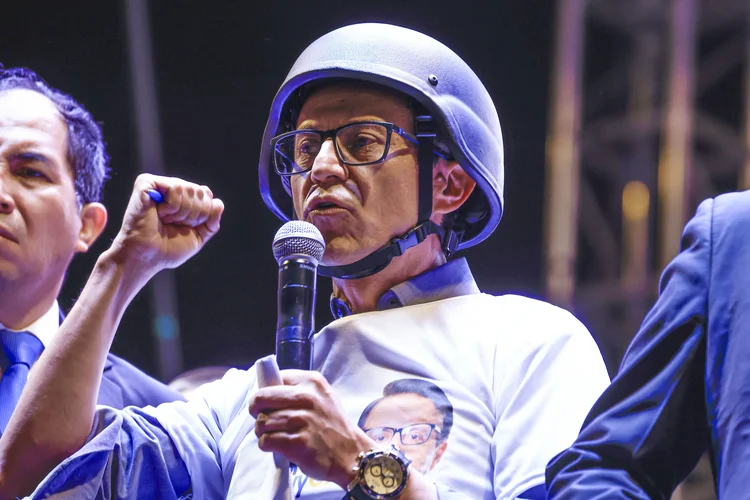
x,y
340,253
8,271
335,260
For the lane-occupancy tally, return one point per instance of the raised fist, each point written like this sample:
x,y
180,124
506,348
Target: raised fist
x,y
158,236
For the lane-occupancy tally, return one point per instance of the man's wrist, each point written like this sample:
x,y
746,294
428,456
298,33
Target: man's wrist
x,y
362,444
126,275
418,487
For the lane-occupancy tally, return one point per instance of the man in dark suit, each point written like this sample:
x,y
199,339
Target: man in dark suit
x,y
683,384
53,165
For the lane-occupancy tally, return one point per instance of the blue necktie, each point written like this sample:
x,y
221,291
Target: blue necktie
x,y
19,351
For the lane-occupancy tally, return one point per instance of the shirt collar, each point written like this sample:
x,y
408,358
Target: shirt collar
x,y
452,279
46,326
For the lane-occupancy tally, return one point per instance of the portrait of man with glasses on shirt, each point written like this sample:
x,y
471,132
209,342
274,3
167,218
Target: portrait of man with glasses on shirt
x,y
413,415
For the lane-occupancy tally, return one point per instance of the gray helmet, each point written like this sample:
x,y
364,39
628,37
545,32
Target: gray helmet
x,y
426,71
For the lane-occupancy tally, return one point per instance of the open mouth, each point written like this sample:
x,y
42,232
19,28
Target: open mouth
x,y
324,207
325,204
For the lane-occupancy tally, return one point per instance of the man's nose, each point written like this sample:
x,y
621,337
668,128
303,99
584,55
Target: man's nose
x,y
395,441
327,166
7,205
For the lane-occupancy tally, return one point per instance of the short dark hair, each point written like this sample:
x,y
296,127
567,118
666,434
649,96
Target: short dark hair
x,y
418,387
87,154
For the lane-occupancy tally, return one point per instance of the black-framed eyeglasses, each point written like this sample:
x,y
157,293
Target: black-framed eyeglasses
x,y
409,435
356,144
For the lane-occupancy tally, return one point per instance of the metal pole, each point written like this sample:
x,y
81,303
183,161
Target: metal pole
x,y
675,160
165,326
563,155
639,177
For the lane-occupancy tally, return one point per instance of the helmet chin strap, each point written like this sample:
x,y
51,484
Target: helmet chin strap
x,y
379,259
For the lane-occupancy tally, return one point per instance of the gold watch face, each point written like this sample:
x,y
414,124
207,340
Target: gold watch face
x,y
383,475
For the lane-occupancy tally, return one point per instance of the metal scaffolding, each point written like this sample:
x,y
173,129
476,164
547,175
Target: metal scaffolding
x,y
634,145
563,153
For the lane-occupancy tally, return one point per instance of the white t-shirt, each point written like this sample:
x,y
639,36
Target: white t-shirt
x,y
519,374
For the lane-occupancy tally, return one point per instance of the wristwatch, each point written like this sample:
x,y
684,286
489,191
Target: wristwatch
x,y
379,474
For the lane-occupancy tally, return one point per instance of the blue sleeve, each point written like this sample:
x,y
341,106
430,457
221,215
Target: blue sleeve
x,y
128,455
648,429
125,385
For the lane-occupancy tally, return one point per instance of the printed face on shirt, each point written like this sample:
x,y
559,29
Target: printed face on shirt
x,y
358,209
411,423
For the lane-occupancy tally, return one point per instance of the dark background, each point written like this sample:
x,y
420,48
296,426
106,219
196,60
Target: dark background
x,y
218,65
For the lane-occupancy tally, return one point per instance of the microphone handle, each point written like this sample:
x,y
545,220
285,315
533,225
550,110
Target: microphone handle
x,y
295,354
296,306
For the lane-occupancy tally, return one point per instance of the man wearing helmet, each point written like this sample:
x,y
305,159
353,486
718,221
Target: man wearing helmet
x,y
389,144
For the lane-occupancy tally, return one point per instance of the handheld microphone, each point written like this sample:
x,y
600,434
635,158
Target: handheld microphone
x,y
298,247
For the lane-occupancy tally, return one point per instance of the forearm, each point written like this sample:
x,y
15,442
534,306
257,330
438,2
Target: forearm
x,y
54,415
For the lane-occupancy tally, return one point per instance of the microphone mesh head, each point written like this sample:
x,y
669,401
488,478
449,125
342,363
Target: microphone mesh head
x,y
298,237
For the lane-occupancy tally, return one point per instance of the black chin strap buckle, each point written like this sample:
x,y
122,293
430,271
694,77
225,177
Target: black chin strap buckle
x,y
448,238
411,238
450,242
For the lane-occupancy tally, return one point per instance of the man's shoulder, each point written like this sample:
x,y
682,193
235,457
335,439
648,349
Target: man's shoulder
x,y
525,328
120,366
138,388
723,224
736,199
729,210
528,319
526,309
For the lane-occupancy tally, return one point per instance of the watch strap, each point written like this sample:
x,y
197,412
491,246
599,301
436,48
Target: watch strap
x,y
356,493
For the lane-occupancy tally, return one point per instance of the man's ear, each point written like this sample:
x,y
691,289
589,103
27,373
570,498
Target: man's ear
x,y
93,220
439,454
451,187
